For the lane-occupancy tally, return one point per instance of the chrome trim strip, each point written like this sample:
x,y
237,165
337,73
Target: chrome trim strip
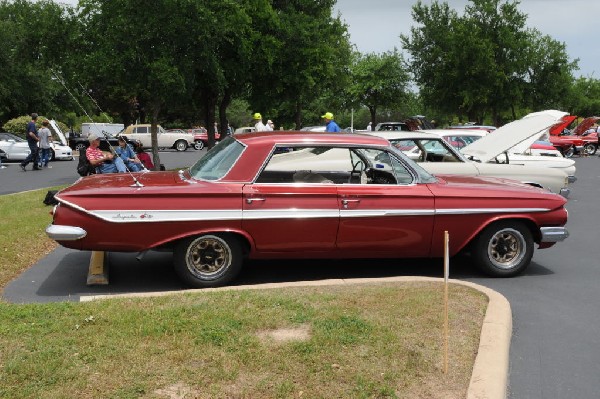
x,y
553,234
144,216
470,211
65,233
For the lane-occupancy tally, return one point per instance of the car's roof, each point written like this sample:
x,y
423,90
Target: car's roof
x,y
402,134
309,138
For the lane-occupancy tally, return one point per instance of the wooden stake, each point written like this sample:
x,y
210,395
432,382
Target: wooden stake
x,y
446,274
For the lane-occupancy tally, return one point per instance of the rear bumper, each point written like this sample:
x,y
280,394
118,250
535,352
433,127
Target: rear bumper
x,y
553,234
65,233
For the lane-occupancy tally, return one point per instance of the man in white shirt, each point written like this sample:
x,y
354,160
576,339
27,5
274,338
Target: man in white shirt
x,y
259,125
370,126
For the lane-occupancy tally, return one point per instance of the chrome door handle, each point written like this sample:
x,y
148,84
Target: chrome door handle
x,y
345,202
251,200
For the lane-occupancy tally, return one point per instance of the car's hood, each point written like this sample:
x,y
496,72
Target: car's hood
x,y
557,129
585,125
59,133
508,136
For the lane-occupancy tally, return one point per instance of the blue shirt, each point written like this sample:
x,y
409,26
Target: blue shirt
x,y
331,126
31,128
125,153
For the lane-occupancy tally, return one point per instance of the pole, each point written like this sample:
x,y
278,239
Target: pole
x,y
446,274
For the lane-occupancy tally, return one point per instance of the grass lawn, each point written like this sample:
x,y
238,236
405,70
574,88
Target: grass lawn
x,y
362,341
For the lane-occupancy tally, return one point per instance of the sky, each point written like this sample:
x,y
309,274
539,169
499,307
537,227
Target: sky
x,y
375,25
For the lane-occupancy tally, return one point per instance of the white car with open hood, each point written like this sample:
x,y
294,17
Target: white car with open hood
x,y
438,157
509,144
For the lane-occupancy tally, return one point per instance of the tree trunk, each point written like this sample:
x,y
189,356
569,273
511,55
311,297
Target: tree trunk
x,y
298,115
154,135
210,103
223,123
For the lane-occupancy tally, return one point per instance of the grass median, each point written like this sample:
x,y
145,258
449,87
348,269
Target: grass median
x,y
352,341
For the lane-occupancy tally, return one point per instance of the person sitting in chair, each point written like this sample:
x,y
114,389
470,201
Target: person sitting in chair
x,y
125,152
104,162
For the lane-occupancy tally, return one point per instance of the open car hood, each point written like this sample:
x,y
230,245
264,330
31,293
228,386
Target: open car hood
x,y
512,134
559,127
585,125
59,133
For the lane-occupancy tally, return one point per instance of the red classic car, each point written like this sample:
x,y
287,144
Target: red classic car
x,y
303,195
201,137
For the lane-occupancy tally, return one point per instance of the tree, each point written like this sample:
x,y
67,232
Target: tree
x,y
378,81
303,56
479,63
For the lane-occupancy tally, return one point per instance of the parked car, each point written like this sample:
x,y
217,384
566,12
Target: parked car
x,y
201,137
473,126
244,200
439,158
16,148
500,147
244,129
392,126
180,141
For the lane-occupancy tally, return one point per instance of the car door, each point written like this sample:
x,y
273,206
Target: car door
x,y
381,215
142,133
285,210
284,217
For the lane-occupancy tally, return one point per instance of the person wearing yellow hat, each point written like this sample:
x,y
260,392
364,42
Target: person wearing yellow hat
x,y
330,125
258,123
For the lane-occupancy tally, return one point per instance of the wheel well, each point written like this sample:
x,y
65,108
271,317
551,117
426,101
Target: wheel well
x,y
240,237
529,224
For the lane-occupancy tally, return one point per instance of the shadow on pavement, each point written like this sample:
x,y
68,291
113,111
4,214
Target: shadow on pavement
x,y
62,275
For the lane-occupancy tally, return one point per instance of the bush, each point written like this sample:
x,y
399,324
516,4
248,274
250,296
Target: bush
x,y
18,125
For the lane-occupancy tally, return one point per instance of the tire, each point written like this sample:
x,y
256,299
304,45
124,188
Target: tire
x,y
503,249
181,145
199,145
590,149
570,152
52,155
210,260
80,146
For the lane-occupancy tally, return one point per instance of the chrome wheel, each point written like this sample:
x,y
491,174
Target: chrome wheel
x,y
590,149
210,260
506,248
208,257
181,145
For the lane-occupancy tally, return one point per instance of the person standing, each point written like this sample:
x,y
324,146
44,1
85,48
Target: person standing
x,y
270,125
32,140
45,136
258,123
330,125
370,127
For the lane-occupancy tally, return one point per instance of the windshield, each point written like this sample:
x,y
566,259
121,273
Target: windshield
x,y
218,160
10,136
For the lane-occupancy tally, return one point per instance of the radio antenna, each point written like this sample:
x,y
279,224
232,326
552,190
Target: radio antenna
x,y
136,183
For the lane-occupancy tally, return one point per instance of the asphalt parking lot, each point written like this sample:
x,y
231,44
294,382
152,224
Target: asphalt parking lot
x,y
555,346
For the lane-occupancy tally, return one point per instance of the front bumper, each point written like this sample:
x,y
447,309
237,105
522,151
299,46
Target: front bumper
x,y
553,234
65,233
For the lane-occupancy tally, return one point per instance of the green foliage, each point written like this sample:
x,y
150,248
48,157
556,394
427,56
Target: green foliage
x,y
379,81
485,62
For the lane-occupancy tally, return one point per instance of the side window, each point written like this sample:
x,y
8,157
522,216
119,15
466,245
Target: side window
x,y
313,165
141,130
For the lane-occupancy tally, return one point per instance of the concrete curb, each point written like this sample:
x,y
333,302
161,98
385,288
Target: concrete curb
x,y
490,371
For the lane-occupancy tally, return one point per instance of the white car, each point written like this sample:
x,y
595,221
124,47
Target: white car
x,y
180,140
17,149
244,129
438,157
